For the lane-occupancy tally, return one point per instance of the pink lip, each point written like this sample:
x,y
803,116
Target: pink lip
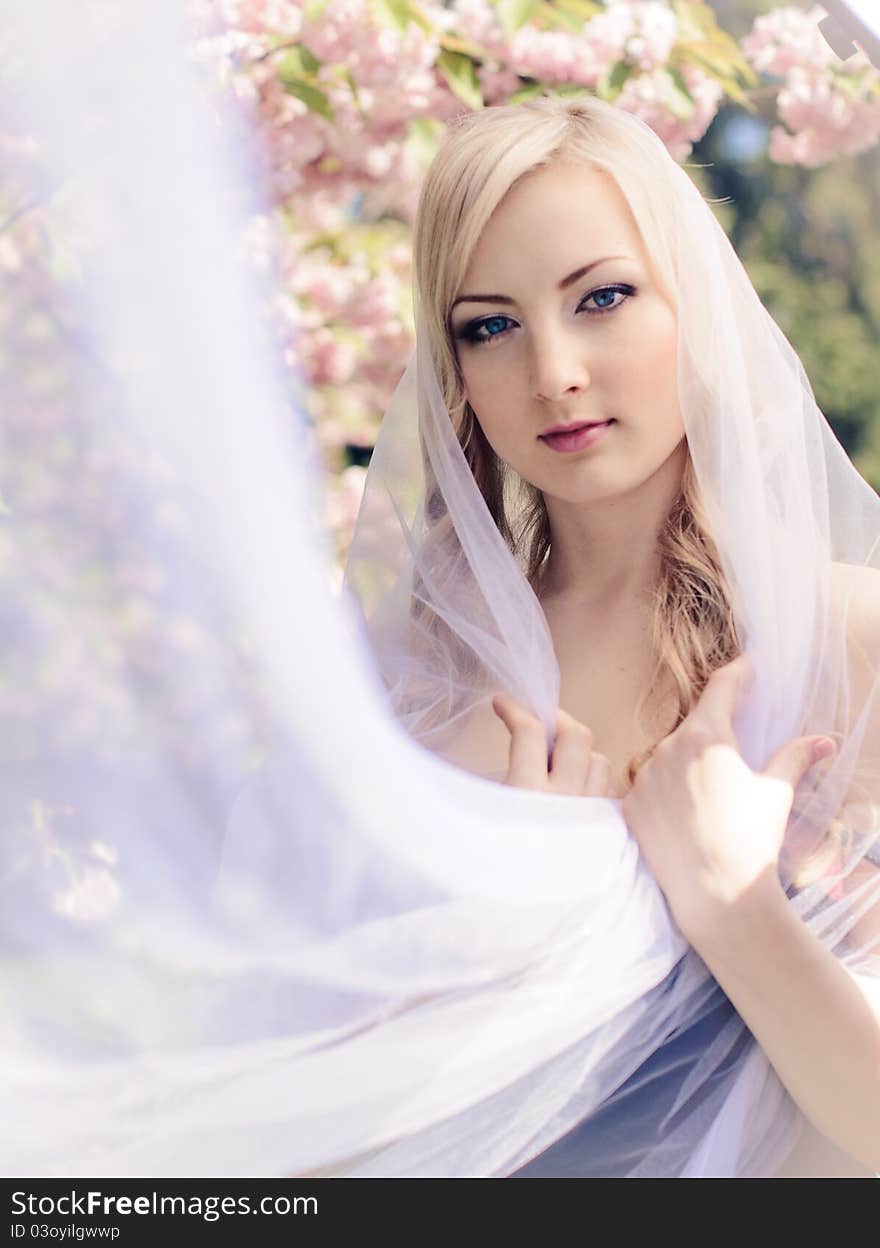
x,y
574,438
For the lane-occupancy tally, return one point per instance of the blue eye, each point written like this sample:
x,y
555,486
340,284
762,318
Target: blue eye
x,y
495,325
491,328
601,296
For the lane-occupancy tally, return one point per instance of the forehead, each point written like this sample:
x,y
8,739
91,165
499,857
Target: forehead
x,y
565,213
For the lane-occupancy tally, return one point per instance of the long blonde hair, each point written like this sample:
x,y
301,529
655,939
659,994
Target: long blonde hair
x,y
480,159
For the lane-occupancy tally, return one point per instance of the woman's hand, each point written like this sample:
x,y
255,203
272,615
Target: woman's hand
x,y
574,769
709,827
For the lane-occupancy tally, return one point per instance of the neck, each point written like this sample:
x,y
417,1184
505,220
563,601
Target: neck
x,y
605,555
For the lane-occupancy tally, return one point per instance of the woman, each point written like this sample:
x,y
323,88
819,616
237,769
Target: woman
x,y
605,496
595,376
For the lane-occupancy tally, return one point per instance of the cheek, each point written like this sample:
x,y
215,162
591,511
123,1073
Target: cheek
x,y
487,388
658,375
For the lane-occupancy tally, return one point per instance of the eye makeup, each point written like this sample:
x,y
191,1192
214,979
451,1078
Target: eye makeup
x,y
478,331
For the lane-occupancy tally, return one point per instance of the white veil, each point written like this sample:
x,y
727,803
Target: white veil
x,y
248,925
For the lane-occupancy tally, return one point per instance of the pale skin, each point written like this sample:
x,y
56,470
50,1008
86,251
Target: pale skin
x,y
533,356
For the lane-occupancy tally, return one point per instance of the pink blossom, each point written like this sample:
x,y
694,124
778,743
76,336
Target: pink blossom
x,y
825,123
442,17
390,56
477,20
551,56
298,139
261,16
410,96
641,32
650,97
707,95
444,105
395,196
376,55
326,360
786,39
826,106
329,289
333,34
376,304
497,82
346,498
322,211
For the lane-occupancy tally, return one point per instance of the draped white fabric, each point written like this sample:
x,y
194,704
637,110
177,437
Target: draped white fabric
x,y
249,925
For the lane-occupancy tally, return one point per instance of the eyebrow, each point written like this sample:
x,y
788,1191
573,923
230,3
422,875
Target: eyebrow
x,y
563,285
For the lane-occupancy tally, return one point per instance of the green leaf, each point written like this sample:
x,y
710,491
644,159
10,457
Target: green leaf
x,y
461,75
528,91
848,84
736,93
720,60
418,15
576,10
313,97
392,13
699,31
512,14
297,63
310,63
328,241
698,16
681,102
426,129
722,74
425,134
313,9
571,15
352,86
466,47
613,80
550,19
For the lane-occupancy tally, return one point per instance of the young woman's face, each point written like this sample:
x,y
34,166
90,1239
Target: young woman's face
x,y
559,322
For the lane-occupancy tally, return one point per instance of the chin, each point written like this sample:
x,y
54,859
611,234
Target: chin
x,y
584,492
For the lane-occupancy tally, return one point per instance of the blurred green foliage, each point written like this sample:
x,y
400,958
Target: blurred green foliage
x,y
809,240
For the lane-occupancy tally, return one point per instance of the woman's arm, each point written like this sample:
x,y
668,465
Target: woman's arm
x,y
711,830
817,1022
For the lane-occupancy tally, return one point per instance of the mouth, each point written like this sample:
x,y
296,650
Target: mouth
x,y
576,437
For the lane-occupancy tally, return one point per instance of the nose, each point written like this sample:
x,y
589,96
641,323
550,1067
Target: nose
x,y
558,367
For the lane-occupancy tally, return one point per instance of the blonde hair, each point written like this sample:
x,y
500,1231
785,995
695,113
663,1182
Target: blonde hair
x,y
482,156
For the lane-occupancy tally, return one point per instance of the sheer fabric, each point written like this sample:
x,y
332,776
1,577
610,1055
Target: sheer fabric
x,y
250,924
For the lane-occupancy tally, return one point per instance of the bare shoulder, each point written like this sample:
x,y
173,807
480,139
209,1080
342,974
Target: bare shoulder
x,y
858,582
857,589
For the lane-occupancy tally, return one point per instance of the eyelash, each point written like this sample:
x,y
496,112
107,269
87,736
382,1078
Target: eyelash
x,y
470,331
